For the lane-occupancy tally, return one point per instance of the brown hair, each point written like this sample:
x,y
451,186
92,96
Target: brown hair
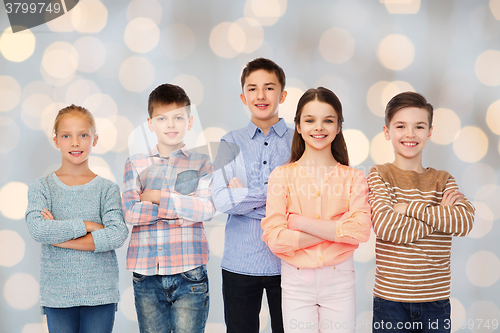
x,y
166,94
407,99
338,146
77,111
267,65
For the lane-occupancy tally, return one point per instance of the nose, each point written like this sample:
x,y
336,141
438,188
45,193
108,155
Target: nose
x,y
260,94
410,132
75,142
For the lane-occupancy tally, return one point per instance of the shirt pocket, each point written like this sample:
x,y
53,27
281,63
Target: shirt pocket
x,y
186,182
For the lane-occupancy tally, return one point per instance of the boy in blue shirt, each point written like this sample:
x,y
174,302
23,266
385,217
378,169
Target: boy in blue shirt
x,y
240,190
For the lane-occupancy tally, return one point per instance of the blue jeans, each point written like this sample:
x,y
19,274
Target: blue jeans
x,y
172,303
426,317
243,299
81,319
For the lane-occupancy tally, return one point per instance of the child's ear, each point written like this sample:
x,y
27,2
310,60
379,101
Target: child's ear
x,y
95,140
190,123
283,96
430,133
56,142
386,133
243,98
150,125
298,128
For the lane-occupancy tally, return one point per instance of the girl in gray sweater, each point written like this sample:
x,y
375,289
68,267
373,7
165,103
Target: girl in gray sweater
x,y
77,217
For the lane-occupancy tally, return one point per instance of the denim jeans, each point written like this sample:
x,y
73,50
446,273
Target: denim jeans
x,y
242,296
426,317
81,319
172,303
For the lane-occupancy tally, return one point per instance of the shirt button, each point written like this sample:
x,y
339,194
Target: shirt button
x,y
265,183
318,217
319,194
159,249
265,162
255,208
265,143
320,258
259,131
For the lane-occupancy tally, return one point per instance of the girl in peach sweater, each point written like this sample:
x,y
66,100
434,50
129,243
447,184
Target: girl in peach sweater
x,y
317,214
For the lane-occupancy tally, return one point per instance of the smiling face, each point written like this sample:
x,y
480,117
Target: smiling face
x,y
262,94
75,139
170,124
409,132
318,125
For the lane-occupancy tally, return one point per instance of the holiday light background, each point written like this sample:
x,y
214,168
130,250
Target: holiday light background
x,y
108,56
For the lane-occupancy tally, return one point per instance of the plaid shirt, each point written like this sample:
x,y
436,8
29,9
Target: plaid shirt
x,y
168,238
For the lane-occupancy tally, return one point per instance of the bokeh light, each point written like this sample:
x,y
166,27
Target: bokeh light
x,y
90,16
11,248
222,38
192,86
10,93
366,251
124,127
254,35
382,92
483,220
266,12
107,132
358,146
475,176
136,74
470,144
336,45
102,105
17,47
490,195
14,200
458,314
142,35
9,134
99,166
35,328
63,23
47,121
91,54
395,52
446,126
177,41
60,60
495,8
80,90
150,9
33,108
487,68
483,268
402,6
21,291
381,150
210,134
493,117
289,107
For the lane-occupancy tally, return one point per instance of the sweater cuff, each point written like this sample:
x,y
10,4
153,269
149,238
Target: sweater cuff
x,y
100,241
79,229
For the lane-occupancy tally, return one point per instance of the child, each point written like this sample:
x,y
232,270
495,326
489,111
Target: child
x,y
77,217
239,190
317,214
416,211
166,197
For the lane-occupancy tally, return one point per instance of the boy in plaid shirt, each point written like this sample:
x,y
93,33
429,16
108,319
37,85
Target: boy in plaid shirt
x,y
166,198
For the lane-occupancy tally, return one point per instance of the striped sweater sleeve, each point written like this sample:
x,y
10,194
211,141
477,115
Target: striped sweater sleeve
x,y
456,220
389,225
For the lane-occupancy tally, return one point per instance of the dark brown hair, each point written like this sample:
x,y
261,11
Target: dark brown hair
x,y
407,99
75,110
167,94
338,147
267,65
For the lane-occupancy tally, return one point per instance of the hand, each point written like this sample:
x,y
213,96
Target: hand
x,y
294,222
235,183
92,226
151,196
46,214
451,197
401,208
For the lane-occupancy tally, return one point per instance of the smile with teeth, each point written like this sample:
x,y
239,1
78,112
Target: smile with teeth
x,y
319,136
76,153
409,144
171,133
262,106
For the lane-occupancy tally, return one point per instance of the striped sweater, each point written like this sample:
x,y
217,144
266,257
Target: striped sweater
x,y
413,250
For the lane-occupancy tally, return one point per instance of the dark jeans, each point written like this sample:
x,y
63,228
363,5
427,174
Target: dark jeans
x,y
81,319
243,298
426,317
172,303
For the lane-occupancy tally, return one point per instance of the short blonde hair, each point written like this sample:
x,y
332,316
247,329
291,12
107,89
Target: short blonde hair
x,y
75,110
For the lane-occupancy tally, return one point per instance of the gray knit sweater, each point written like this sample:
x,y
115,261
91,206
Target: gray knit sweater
x,y
71,277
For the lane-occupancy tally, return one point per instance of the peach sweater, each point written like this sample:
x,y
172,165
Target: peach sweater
x,y
342,197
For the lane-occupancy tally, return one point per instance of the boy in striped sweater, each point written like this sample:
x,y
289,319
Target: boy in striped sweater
x,y
416,211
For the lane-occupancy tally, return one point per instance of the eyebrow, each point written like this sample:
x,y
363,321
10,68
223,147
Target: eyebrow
x,y
404,122
329,116
266,84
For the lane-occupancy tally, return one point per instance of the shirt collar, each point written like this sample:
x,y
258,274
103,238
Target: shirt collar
x,y
279,128
183,150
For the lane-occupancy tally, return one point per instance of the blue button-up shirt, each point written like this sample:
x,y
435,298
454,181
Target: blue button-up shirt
x,y
255,157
